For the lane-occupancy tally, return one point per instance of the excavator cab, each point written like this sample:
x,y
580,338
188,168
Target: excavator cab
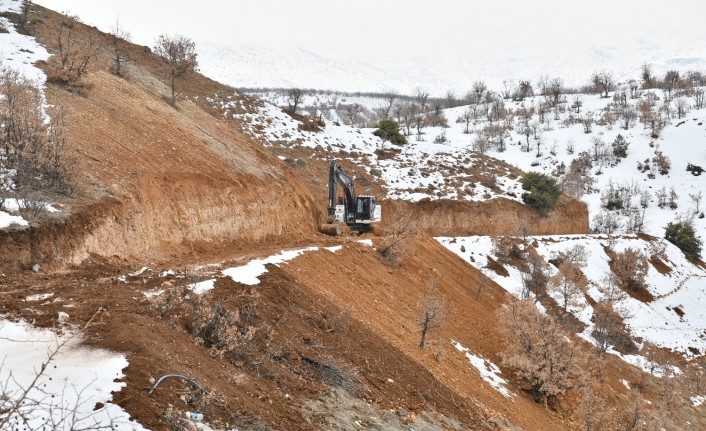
x,y
365,209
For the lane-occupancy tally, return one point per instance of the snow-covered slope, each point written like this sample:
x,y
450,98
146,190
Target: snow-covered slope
x,y
18,52
426,169
675,319
418,170
250,66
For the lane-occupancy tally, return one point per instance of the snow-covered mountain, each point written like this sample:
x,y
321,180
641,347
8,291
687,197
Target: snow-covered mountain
x,y
250,66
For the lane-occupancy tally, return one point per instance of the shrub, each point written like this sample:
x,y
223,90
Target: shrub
x,y
620,147
389,130
630,267
397,245
663,162
682,235
32,148
545,361
76,52
542,191
508,249
610,330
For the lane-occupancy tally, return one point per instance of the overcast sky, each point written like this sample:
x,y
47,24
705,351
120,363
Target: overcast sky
x,y
402,30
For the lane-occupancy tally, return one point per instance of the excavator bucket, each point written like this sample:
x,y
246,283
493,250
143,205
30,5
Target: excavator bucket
x,y
332,229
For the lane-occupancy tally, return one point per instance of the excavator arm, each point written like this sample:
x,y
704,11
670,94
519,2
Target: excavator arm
x,y
338,176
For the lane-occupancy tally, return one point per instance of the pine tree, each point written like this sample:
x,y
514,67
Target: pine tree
x,y
682,235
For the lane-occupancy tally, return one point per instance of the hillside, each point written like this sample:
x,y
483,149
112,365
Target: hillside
x,y
185,272
260,67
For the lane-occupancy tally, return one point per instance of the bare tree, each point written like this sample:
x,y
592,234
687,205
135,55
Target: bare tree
x,y
397,245
671,78
607,326
32,148
479,89
699,98
119,47
630,267
29,407
76,51
433,312
422,96
466,119
524,90
696,198
179,54
570,283
634,89
682,106
603,81
594,411
536,269
409,114
420,120
390,99
451,99
648,78
628,116
480,144
578,103
578,179
295,97
397,109
556,89
546,362
351,111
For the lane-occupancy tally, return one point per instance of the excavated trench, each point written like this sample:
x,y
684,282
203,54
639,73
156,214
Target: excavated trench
x,y
162,217
493,217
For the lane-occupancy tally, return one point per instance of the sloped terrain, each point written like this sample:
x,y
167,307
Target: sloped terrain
x,y
193,245
158,178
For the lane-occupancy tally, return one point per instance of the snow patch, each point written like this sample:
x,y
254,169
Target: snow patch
x,y
488,370
202,287
656,321
7,220
39,297
77,377
250,272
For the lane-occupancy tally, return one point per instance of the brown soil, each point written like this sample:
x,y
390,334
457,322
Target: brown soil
x,y
171,188
493,217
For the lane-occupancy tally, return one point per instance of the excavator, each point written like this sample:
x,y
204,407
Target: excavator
x,y
358,212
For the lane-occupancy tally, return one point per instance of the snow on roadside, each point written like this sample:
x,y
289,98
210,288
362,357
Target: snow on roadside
x,y
78,378
250,272
675,319
488,370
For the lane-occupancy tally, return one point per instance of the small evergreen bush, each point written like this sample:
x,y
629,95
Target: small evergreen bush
x,y
389,130
542,191
682,235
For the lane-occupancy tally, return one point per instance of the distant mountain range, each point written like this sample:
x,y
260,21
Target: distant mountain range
x,y
247,66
